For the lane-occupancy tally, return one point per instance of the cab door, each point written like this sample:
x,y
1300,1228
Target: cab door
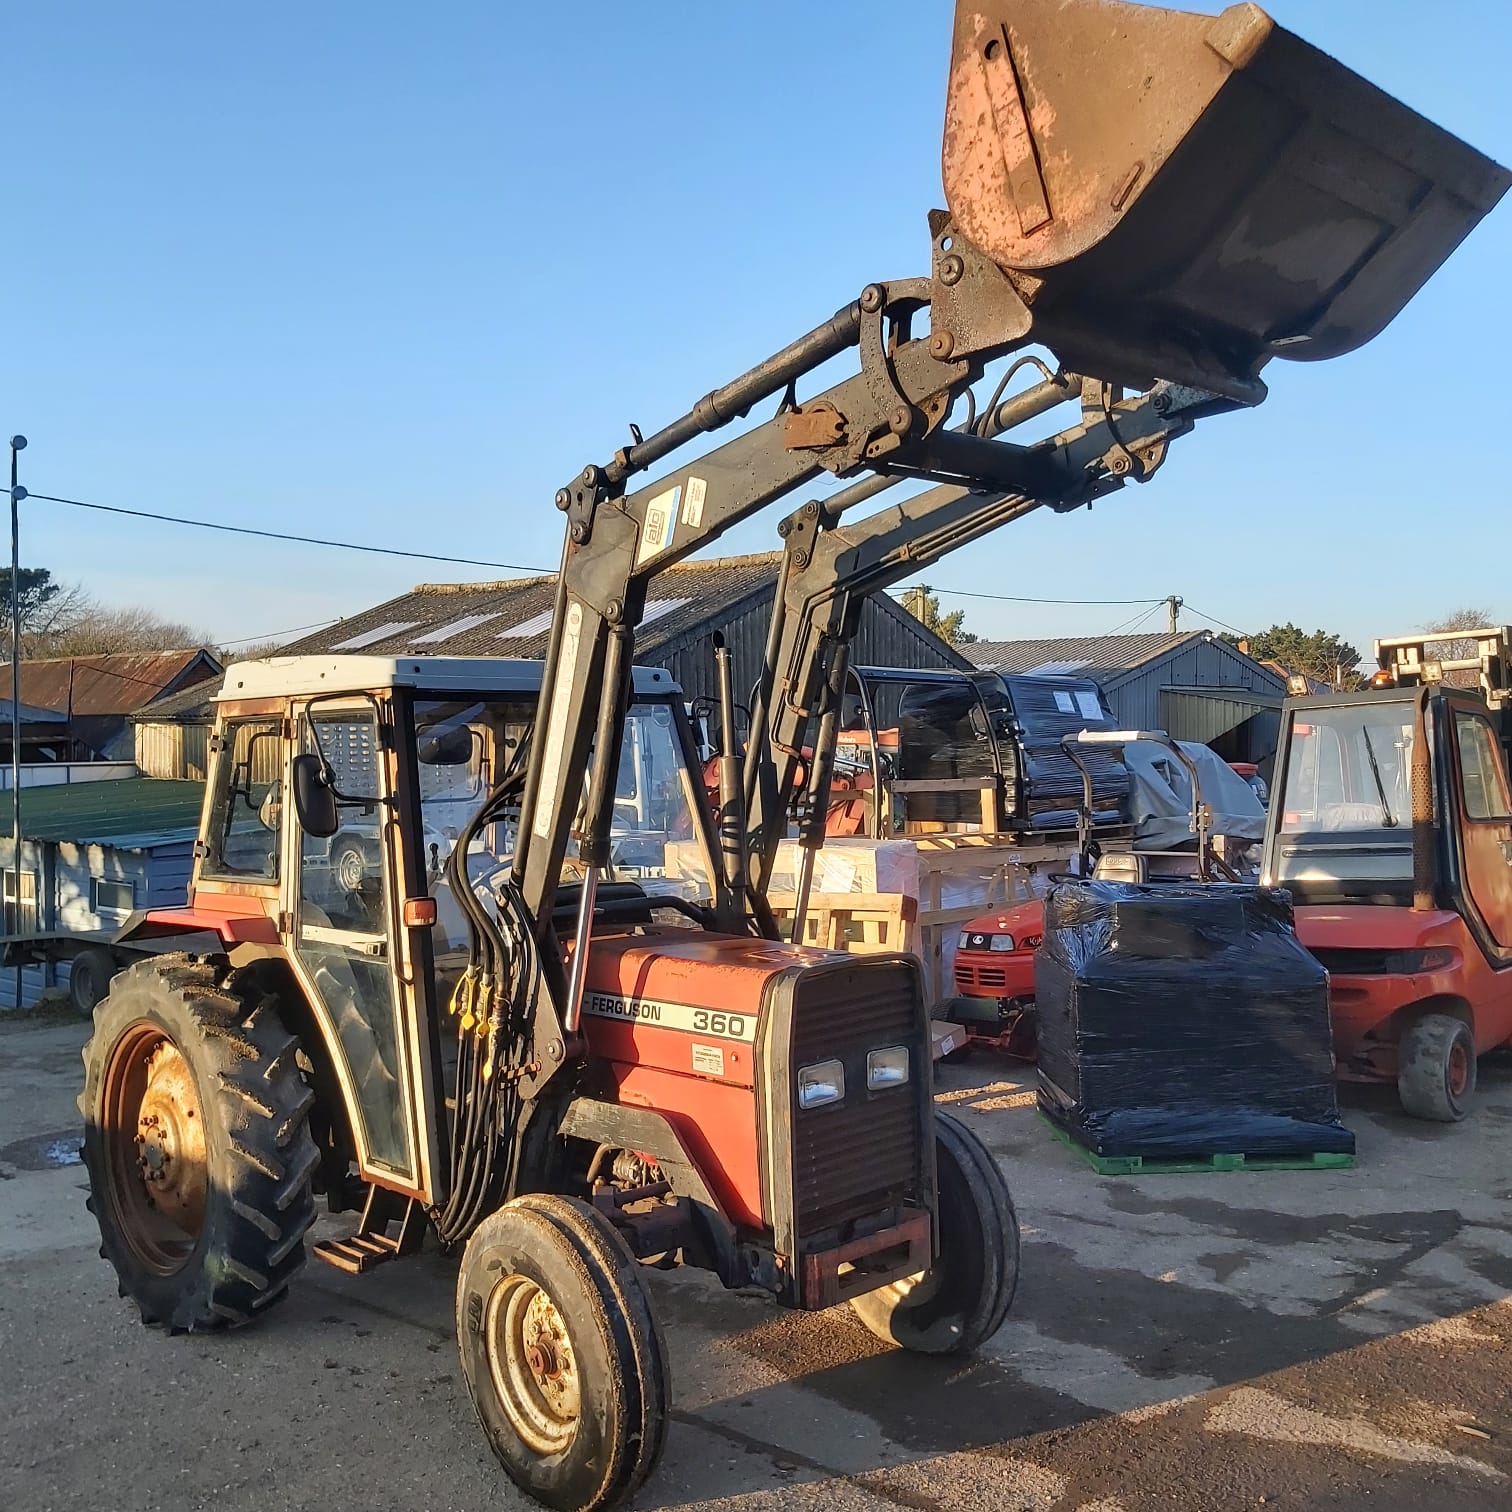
x,y
354,956
1485,819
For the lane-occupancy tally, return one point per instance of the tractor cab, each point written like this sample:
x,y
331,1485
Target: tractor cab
x,y
389,762
1391,825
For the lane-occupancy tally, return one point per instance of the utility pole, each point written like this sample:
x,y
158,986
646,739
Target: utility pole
x,y
1173,604
916,600
17,493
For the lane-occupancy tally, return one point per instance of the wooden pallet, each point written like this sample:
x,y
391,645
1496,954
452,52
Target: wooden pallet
x,y
862,923
1143,1165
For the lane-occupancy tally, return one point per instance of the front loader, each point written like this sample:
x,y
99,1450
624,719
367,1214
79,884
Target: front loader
x,y
579,1046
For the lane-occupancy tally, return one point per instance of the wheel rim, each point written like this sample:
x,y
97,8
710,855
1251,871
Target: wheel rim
x,y
154,1138
351,869
534,1369
1459,1069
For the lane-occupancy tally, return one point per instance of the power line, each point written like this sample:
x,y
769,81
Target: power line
x,y
274,635
1129,626
302,540
1008,598
1214,618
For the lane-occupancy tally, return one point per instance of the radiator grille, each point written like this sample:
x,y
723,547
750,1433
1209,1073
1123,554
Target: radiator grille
x,y
1342,961
971,978
863,1154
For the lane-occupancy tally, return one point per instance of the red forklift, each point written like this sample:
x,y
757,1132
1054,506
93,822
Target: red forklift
x,y
1391,825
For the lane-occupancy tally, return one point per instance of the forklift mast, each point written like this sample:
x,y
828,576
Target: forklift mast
x,y
1433,658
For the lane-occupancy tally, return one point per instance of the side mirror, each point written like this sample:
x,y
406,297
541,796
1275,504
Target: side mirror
x,y
314,798
438,746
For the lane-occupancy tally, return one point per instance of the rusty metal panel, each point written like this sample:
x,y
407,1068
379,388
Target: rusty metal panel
x,y
1188,196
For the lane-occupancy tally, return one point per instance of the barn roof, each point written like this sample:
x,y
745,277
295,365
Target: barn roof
x,y
1100,657
513,618
133,813
91,686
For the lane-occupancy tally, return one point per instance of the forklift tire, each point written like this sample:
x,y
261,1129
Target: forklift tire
x,y
1436,1068
561,1353
197,1143
89,975
962,1302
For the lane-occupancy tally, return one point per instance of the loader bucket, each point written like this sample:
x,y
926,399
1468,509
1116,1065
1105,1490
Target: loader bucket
x,y
1186,196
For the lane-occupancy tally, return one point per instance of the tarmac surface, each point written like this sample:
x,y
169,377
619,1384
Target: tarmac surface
x,y
1332,1339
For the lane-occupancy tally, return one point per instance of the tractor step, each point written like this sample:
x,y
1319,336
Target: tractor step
x,y
1147,1165
358,1254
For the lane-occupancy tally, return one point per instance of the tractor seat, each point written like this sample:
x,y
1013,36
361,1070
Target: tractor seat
x,y
1121,866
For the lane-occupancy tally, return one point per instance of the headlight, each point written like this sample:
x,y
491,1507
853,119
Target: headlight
x,y
964,943
887,1068
1002,942
821,1083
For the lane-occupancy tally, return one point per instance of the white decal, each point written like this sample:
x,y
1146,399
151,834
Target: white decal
x,y
711,1022
692,510
1089,706
1064,704
661,519
556,729
709,1059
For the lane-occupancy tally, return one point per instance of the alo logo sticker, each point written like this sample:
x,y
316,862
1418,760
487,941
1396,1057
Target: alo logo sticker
x,y
661,519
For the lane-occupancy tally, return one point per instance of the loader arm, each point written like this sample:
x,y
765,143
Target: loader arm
x,y
1153,196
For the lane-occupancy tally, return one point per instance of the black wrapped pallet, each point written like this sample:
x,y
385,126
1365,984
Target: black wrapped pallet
x,y
1179,1022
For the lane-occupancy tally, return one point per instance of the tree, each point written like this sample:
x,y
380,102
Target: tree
x,y
925,607
63,619
1316,654
97,631
44,604
254,652
1460,650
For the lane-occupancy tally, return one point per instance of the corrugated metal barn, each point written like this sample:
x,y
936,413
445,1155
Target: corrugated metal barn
x,y
171,736
685,606
1190,684
92,853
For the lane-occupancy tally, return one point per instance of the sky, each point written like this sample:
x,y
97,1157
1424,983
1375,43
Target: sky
x,y
394,274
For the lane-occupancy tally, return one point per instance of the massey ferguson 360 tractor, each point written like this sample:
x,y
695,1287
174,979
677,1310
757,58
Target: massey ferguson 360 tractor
x,y
582,1045
1391,825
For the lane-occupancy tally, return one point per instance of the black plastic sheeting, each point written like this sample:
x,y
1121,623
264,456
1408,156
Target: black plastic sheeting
x,y
1179,1021
1045,709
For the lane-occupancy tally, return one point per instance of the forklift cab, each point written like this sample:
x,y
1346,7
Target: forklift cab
x,y
1407,903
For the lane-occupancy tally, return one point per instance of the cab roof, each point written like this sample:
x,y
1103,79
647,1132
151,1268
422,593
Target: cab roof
x,y
298,676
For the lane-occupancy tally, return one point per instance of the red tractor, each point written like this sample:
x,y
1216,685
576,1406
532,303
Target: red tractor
x,y
579,1044
1391,825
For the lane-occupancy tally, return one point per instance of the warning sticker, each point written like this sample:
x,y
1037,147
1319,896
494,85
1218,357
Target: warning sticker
x,y
661,520
693,503
709,1059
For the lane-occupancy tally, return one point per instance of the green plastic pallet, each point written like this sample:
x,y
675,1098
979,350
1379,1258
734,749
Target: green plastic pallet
x,y
1131,1165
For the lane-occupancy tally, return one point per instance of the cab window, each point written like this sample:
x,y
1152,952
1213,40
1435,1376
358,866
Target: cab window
x,y
1481,769
241,840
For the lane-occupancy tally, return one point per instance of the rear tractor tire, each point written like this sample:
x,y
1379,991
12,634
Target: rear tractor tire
x,y
197,1143
561,1353
1436,1068
962,1301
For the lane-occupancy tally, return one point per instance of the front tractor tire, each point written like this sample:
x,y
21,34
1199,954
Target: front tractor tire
x,y
962,1301
197,1143
561,1353
1436,1068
